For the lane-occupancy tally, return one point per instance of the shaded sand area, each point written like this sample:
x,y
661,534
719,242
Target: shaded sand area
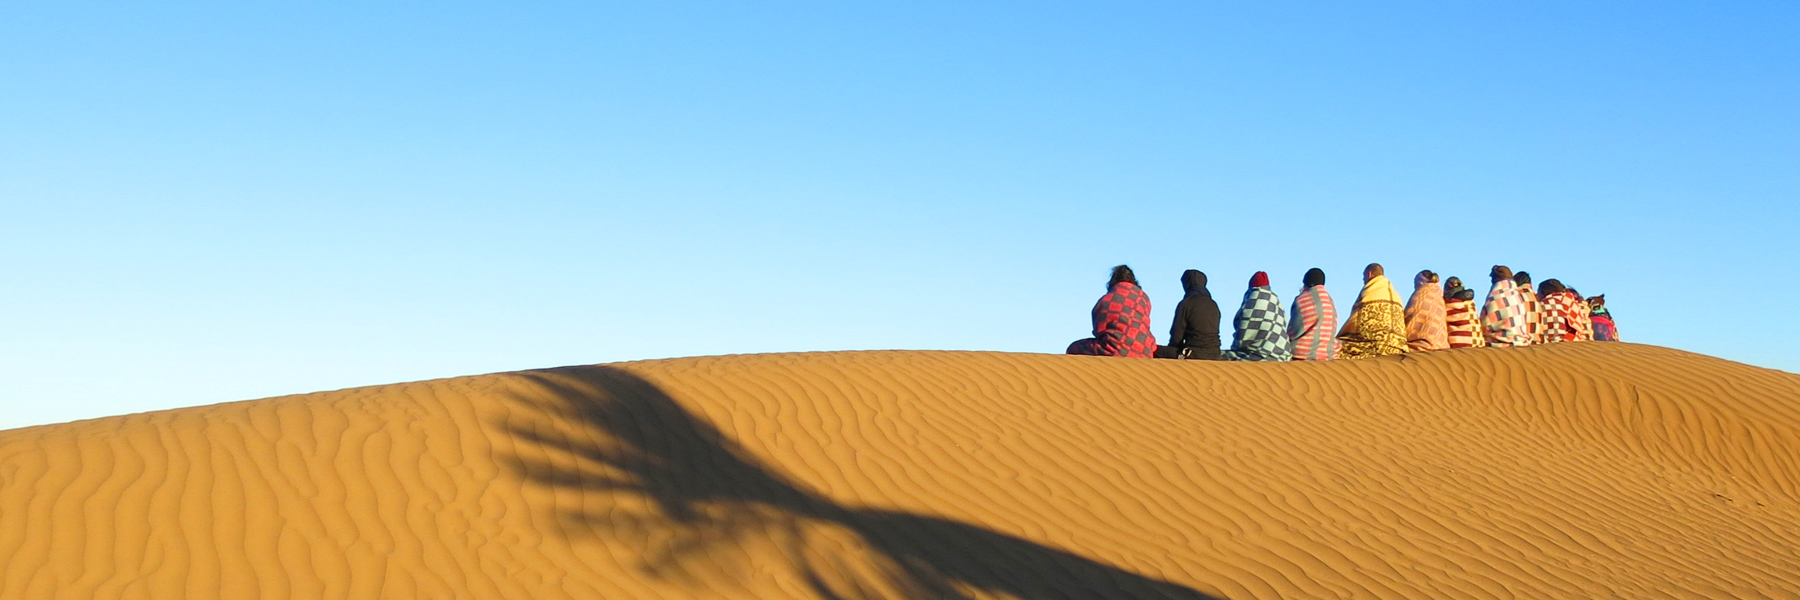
x,y
1574,471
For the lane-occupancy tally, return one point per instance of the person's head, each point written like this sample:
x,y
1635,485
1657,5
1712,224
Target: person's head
x,y
1501,273
1121,274
1314,276
1260,279
1425,278
1372,271
1598,302
1523,279
1451,285
1193,281
1550,286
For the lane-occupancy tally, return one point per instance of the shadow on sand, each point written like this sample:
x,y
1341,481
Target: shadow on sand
x,y
687,499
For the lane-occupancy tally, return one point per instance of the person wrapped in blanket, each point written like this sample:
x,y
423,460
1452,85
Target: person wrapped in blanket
x,y
1565,314
1262,329
1121,320
1377,323
1195,334
1426,315
1586,315
1313,321
1503,315
1462,320
1534,308
1605,329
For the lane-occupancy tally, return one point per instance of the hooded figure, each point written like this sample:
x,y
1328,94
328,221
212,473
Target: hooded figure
x,y
1504,319
1314,327
1462,321
1262,329
1565,315
1425,315
1195,334
1377,323
1605,330
1121,320
1534,308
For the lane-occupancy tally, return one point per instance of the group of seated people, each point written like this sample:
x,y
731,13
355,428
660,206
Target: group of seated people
x,y
1434,318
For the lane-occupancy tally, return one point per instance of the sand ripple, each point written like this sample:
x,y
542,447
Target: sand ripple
x,y
1576,471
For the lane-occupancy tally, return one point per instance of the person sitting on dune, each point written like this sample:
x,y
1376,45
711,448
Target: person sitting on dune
x,y
1462,321
1583,316
1534,308
1313,324
1605,329
1425,315
1262,329
1195,334
1563,317
1121,320
1377,323
1503,316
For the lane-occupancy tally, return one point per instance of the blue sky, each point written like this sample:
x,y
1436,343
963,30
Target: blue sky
x,y
203,203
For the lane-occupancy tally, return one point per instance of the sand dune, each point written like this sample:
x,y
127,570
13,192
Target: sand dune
x,y
1574,471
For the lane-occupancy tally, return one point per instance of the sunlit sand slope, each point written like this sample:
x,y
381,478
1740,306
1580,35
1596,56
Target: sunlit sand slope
x,y
1573,471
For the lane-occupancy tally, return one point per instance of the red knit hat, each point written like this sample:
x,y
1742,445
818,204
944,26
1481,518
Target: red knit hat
x,y
1260,279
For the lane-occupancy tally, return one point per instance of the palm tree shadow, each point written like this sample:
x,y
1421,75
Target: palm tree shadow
x,y
685,495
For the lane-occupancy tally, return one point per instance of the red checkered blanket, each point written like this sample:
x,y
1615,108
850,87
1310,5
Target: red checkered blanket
x,y
1565,318
1121,325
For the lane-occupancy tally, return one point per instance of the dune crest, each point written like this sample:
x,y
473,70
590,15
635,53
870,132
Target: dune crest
x,y
1572,470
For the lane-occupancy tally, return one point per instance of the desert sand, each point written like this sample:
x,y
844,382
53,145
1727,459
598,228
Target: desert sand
x,y
1568,471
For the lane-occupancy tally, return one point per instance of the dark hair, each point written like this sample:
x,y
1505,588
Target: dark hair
x,y
1500,272
1453,283
1374,269
1550,286
1522,278
1429,276
1314,276
1121,273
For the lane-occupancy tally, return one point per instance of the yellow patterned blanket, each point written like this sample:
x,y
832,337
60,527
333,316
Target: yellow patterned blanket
x,y
1377,326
